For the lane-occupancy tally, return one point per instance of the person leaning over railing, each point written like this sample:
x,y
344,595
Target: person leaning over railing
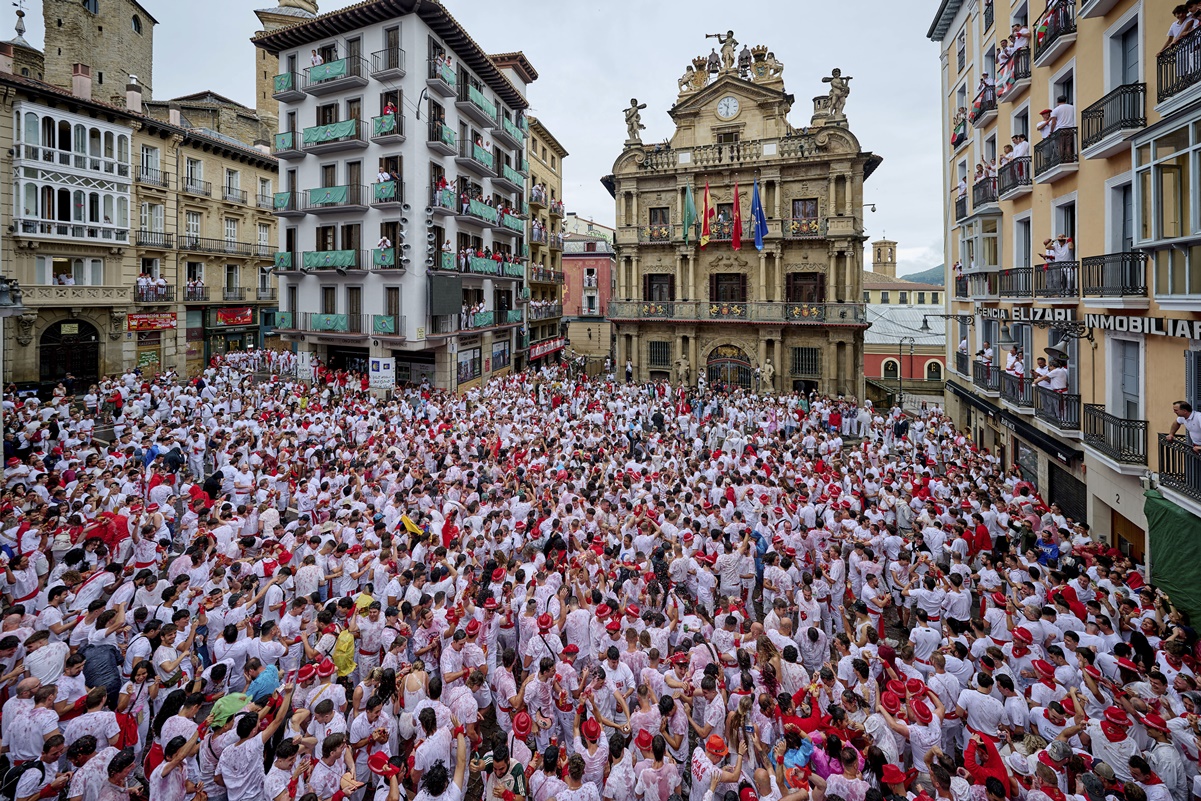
x,y
1190,420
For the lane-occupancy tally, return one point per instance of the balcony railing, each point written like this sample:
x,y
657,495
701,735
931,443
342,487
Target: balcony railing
x,y
659,234
154,294
1124,441
474,97
831,314
390,61
207,244
1017,282
233,293
1013,174
265,202
546,312
476,154
988,15
986,376
984,192
152,177
1114,275
233,194
723,231
288,203
512,130
387,126
1179,66
556,208
1179,466
156,239
538,236
328,197
442,72
1060,22
541,275
1123,109
441,134
1017,390
286,83
961,58
963,363
332,72
338,260
318,323
388,325
1056,150
803,228
327,137
1059,409
1013,74
984,104
480,211
445,198
960,207
286,144
195,294
385,259
195,186
961,287
68,230
68,158
264,293
1056,280
388,192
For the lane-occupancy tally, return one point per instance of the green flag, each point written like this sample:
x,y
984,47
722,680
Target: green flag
x,y
689,212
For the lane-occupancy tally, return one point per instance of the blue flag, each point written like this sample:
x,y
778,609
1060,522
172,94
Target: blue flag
x,y
758,218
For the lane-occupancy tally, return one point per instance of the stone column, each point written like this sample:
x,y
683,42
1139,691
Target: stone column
x,y
634,285
680,277
692,356
762,288
621,353
778,260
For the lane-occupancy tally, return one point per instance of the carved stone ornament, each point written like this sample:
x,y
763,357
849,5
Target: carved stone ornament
x,y
116,319
25,324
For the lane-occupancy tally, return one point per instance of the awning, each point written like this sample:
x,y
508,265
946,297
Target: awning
x,y
1048,445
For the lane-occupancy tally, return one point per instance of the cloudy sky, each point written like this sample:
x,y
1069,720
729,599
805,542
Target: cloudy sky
x,y
592,57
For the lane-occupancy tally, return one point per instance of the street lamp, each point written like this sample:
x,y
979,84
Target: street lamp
x,y
901,368
10,306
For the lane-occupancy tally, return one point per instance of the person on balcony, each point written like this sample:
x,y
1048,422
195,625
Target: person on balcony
x,y
1021,146
1063,115
1004,53
316,60
1182,25
389,108
1014,357
160,288
143,285
1055,379
986,353
1044,126
1191,422
1020,36
384,243
447,247
383,176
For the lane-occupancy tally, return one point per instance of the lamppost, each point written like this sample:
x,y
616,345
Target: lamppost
x,y
901,368
10,306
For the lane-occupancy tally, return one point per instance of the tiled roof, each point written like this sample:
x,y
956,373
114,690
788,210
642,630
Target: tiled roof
x,y
873,280
891,322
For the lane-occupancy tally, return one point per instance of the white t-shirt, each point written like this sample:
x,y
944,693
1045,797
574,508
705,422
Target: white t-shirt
x,y
1192,425
1063,116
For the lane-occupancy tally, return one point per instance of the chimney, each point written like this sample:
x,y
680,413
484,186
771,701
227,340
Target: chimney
x,y
6,57
263,146
133,95
173,115
81,81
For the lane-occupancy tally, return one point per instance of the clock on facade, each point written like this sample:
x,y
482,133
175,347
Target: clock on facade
x,y
727,107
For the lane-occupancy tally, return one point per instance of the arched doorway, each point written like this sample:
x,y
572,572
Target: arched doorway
x,y
934,371
891,370
70,346
729,366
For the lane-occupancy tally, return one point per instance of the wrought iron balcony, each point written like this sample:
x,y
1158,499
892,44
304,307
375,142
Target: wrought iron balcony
x,y
233,293
444,201
1113,116
546,312
1179,466
983,285
316,323
961,287
656,234
388,193
1056,155
476,159
1058,279
441,138
1014,76
509,133
960,207
387,259
984,107
335,76
195,294
195,186
347,134
1114,275
441,77
1058,409
478,210
1057,33
963,363
287,87
233,194
335,260
265,202
1017,390
388,325
154,293
984,192
829,314
988,15
475,106
723,231
1179,67
286,145
986,376
1014,177
1017,282
289,204
159,240
388,129
541,275
337,199
506,177
264,293
208,244
387,64
152,177
1124,441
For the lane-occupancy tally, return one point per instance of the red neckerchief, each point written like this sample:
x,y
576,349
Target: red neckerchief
x,y
1045,758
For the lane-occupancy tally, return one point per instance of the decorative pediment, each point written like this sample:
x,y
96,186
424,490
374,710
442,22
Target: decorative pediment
x,y
748,93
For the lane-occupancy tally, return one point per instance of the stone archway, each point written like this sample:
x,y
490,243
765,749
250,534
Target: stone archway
x,y
729,366
69,346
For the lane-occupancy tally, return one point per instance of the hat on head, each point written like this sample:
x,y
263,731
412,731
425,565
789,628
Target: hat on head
x,y
490,604
999,598
571,649
378,764
716,745
892,775
1103,769
891,702
590,729
1023,635
473,628
632,610
522,723
1059,750
1127,664
896,686
305,673
921,711
915,687
1093,671
1043,668
498,574
326,668
545,621
613,625
1154,721
644,740
1117,716
603,610
1018,764
1112,731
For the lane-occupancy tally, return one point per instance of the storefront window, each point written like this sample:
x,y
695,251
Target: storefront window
x,y
470,366
1027,462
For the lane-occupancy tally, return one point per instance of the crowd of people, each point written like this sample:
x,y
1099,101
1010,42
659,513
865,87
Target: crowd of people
x,y
556,588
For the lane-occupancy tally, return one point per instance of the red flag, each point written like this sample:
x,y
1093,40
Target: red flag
x,y
736,234
706,213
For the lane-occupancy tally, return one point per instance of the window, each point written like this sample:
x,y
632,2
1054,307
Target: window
x,y
92,6
1022,244
265,187
659,288
660,216
153,217
195,271
867,296
885,296
292,295
934,298
807,288
921,298
1192,378
903,298
659,353
194,171
150,267
1128,387
264,237
727,138
64,271
727,288
233,179
1021,123
150,158
1065,86
934,371
231,229
1065,221
329,300
804,209
891,369
806,361
233,276
137,24
191,227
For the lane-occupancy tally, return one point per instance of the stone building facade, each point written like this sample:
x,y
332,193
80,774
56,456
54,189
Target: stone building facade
x,y
791,312
266,64
114,37
544,189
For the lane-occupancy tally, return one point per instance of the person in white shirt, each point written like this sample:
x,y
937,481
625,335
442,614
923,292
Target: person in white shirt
x,y
1190,420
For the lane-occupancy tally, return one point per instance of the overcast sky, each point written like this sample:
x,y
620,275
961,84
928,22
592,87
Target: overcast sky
x,y
592,57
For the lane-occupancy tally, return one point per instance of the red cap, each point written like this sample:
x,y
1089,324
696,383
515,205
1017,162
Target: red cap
x,y
923,713
1113,732
326,668
1126,663
1023,635
613,625
491,604
1117,716
678,658
378,764
473,628
522,723
1043,668
1154,721
632,610
890,701
999,598
603,610
590,729
571,649
305,673
915,687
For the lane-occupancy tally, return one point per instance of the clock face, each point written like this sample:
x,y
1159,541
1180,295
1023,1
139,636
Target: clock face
x,y
727,107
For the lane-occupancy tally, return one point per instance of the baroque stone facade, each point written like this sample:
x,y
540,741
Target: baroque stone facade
x,y
786,316
114,37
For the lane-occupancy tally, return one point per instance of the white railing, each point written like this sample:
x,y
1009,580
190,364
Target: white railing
x,y
78,161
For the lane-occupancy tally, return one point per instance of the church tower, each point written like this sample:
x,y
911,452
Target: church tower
x,y
266,67
114,37
884,257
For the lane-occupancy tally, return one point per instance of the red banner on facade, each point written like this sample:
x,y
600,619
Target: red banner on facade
x,y
151,322
240,316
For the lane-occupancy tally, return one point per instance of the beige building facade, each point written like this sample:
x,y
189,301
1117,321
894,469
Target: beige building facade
x,y
544,188
136,242
1079,251
791,312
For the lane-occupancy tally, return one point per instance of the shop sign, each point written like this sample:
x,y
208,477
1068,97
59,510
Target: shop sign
x,y
1026,315
383,373
540,349
1156,326
237,316
152,322
147,359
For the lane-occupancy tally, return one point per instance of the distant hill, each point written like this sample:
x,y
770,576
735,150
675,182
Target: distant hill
x,y
932,276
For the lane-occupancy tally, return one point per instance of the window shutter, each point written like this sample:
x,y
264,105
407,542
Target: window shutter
x,y
1192,377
